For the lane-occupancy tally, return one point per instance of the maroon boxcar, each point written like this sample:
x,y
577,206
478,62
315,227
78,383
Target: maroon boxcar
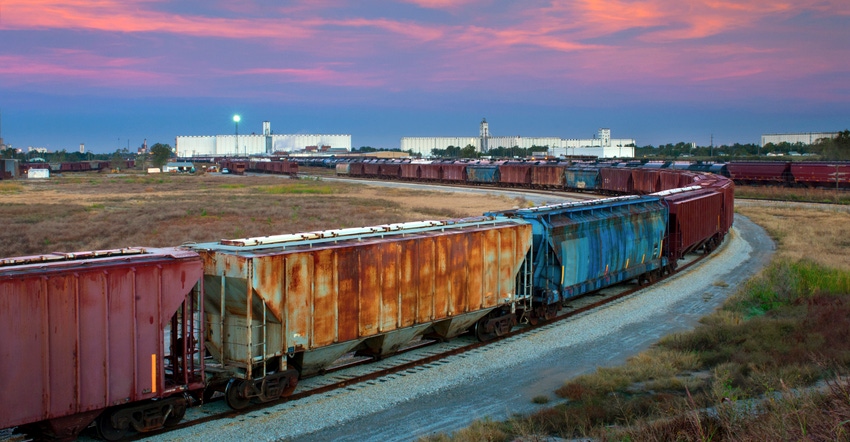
x,y
453,172
515,174
356,169
695,219
411,171
108,335
616,180
548,175
390,170
646,180
821,174
371,169
760,172
431,171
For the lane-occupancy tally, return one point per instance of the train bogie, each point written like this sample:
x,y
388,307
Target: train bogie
x,y
109,334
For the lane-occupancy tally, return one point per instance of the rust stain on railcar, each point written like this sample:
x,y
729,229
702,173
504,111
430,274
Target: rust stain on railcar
x,y
425,259
442,282
474,263
348,268
369,299
389,259
325,307
456,263
298,298
407,283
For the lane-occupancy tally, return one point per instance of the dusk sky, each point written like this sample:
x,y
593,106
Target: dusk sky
x,y
110,73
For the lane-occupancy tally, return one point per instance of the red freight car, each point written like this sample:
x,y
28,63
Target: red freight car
x,y
431,171
760,172
515,174
390,171
453,172
548,175
411,171
821,174
356,169
695,220
371,169
99,335
646,180
616,180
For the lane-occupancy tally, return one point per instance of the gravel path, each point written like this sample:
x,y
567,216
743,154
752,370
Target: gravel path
x,y
501,379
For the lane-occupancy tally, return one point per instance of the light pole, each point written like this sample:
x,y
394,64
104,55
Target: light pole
x,y
236,119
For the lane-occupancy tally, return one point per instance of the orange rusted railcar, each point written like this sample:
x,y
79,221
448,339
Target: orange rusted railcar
x,y
289,305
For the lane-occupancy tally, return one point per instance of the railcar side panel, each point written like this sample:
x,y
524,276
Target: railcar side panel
x,y
581,178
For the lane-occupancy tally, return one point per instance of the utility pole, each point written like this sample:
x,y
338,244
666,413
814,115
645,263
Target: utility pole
x,y
711,147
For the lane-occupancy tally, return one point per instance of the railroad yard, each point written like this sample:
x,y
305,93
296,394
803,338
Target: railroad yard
x,y
96,212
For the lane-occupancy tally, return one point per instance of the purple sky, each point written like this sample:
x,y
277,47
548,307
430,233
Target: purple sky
x,y
113,72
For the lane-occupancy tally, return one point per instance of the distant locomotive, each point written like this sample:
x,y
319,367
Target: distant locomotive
x,y
120,338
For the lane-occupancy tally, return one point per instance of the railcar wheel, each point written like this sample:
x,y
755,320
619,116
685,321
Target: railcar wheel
x,y
480,333
107,431
175,417
233,396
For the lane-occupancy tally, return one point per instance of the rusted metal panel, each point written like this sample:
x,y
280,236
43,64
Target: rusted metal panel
x,y
325,311
408,276
348,268
515,174
581,178
483,173
474,263
548,176
389,300
427,268
85,333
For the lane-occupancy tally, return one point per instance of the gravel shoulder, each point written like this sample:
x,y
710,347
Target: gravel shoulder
x,y
499,380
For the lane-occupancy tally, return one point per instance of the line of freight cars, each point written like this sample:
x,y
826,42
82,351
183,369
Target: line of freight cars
x,y
127,339
280,167
77,166
614,177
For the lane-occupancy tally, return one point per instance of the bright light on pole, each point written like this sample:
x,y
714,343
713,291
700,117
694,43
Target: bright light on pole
x,y
236,119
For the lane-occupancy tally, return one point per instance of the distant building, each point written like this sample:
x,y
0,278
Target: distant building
x,y
180,166
602,146
806,138
256,144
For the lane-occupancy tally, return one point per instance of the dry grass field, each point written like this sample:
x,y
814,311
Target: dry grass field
x,y
95,211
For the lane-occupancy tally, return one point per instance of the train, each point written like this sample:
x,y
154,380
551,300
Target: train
x,y
125,340
619,176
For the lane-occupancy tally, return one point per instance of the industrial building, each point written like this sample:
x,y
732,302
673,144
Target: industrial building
x,y
603,146
265,143
806,138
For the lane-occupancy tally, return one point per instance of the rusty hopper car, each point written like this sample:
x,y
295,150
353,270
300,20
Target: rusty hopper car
x,y
287,306
98,336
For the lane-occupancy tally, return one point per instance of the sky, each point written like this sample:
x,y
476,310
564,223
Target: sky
x,y
112,73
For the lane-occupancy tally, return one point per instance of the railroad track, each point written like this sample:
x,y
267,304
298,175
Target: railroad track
x,y
417,357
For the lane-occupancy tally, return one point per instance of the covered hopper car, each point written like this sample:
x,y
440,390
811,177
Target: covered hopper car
x,y
107,336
